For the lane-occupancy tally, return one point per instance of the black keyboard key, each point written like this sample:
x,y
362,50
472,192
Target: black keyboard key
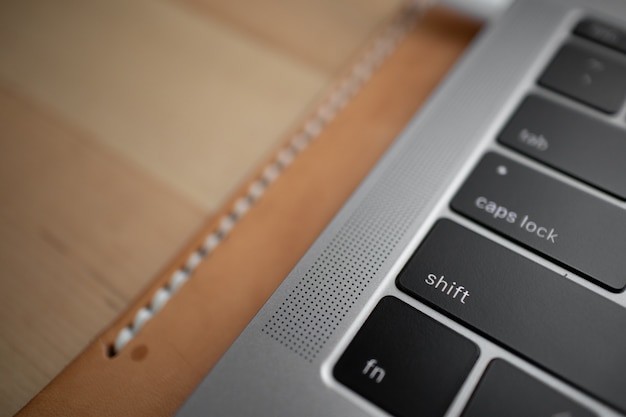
x,y
405,362
505,390
570,226
591,75
538,314
602,33
570,141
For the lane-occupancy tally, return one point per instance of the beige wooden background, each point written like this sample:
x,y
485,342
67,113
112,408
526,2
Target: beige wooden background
x,y
123,125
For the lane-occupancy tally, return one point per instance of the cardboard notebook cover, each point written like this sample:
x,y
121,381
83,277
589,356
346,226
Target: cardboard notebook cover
x,y
154,355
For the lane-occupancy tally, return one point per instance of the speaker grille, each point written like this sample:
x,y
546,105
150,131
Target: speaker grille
x,y
318,303
413,179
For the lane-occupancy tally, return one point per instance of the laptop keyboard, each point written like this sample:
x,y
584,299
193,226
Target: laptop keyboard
x,y
410,364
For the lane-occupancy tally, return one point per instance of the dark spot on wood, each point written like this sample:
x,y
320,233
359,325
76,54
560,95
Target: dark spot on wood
x,y
139,353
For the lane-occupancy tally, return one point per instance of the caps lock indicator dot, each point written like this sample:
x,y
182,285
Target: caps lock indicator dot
x,y
502,170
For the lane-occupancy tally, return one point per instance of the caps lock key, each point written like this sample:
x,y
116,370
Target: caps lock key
x,y
567,225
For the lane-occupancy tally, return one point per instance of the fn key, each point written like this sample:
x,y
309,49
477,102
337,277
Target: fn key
x,y
405,362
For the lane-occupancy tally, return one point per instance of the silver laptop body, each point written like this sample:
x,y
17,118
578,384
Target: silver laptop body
x,y
284,362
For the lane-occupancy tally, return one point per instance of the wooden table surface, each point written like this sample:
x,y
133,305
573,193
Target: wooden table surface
x,y
123,125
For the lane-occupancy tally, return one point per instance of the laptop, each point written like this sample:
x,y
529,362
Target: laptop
x,y
480,268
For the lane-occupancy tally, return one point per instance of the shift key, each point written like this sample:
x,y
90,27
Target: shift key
x,y
551,321
569,226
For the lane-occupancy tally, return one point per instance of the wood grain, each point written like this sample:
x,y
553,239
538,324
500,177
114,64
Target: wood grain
x,y
188,99
320,34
